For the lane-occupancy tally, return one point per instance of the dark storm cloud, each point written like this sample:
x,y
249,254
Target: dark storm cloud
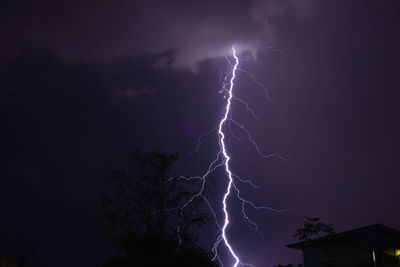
x,y
195,30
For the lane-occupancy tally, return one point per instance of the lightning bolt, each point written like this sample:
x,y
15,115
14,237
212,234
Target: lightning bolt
x,y
227,159
222,159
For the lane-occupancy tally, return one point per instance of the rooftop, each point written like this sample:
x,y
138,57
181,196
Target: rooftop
x,y
375,228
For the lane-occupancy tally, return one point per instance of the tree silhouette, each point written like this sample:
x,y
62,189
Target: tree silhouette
x,y
143,214
313,227
18,253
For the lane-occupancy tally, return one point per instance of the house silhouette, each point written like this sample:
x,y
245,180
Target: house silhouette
x,y
375,245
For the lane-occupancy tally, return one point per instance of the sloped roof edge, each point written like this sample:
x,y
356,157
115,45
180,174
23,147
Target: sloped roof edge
x,y
373,227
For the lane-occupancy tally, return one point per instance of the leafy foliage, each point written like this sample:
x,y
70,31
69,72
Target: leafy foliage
x,y
313,227
144,217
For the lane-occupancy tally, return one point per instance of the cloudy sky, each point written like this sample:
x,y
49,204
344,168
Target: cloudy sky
x,y
84,82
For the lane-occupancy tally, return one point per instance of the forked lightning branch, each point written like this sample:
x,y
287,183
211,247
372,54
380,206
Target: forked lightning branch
x,y
222,160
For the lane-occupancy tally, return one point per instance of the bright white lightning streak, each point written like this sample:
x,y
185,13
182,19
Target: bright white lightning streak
x,y
227,158
222,159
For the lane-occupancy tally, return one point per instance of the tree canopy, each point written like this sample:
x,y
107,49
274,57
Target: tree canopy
x,y
145,219
313,227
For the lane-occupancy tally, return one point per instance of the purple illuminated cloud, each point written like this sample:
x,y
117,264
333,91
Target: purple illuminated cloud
x,y
194,30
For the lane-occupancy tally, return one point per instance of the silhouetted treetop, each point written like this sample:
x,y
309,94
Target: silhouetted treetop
x,y
144,215
313,227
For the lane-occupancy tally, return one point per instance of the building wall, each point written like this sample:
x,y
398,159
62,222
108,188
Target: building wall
x,y
338,254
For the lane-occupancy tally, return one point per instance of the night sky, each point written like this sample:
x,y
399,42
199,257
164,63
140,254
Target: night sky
x,y
84,82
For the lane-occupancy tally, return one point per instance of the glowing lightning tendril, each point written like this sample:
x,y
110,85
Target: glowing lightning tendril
x,y
227,158
222,159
